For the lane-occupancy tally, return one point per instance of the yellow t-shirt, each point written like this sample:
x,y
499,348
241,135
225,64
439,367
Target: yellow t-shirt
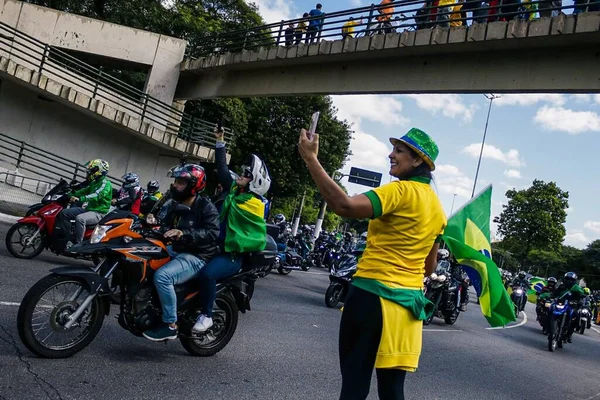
x,y
408,218
456,15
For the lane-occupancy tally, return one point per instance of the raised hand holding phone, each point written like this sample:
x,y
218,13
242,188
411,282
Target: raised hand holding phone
x,y
313,125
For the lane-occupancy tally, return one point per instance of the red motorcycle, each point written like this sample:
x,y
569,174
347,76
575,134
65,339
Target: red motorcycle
x,y
38,230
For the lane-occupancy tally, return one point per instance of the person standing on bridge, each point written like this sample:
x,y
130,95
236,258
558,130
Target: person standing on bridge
x,y
383,315
315,24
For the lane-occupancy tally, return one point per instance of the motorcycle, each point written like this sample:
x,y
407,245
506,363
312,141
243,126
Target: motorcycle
x,y
519,298
340,278
584,316
559,313
543,307
288,259
445,293
64,311
40,229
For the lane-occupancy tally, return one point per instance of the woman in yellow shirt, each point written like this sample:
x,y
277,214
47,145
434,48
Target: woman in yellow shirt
x,y
382,322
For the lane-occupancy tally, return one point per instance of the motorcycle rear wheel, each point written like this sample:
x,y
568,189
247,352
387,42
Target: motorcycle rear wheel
x,y
12,242
225,319
30,330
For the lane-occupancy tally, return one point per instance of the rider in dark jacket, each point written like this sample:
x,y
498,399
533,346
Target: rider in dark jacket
x,y
194,231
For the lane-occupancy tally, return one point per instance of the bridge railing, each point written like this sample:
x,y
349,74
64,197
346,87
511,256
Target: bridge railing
x,y
397,16
40,164
66,69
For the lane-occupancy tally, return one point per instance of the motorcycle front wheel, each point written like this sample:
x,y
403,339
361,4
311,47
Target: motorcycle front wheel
x,y
23,242
44,312
333,294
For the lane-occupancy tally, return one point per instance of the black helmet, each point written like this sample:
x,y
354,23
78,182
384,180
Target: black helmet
x,y
522,274
552,282
153,186
570,279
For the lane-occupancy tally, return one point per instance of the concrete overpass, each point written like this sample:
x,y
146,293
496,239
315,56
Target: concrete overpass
x,y
559,54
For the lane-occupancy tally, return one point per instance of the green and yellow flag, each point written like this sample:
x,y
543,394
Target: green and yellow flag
x,y
468,239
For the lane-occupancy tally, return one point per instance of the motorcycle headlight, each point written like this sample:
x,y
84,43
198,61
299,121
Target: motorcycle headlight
x,y
99,233
442,278
433,276
519,292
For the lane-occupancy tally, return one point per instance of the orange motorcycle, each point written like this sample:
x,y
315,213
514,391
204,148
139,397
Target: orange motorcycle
x,y
64,311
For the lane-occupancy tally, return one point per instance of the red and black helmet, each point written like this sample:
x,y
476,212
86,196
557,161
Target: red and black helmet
x,y
194,175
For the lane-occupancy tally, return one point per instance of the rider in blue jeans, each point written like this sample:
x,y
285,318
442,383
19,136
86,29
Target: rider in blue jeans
x,y
243,227
194,233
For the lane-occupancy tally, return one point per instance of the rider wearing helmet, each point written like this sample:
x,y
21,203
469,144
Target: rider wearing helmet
x,y
150,197
280,222
95,197
244,226
571,290
130,194
521,280
194,233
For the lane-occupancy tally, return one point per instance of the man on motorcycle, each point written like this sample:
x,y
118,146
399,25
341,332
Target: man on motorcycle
x,y
569,288
546,293
521,280
95,198
458,274
280,222
150,197
194,236
130,194
245,229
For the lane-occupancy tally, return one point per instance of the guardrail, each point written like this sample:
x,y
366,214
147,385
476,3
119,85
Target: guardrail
x,y
41,163
41,57
397,16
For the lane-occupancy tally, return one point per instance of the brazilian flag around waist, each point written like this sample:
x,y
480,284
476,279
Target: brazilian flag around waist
x,y
468,239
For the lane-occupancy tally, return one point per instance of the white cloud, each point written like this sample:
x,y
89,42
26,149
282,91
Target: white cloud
x,y
562,119
576,238
582,98
510,158
593,226
512,173
450,105
370,107
449,179
529,99
274,10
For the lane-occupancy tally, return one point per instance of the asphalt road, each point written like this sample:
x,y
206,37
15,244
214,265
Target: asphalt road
x,y
286,348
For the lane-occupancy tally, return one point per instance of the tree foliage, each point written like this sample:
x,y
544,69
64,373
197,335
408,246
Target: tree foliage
x,y
533,219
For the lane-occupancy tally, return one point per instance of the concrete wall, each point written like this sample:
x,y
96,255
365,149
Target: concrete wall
x,y
58,129
162,54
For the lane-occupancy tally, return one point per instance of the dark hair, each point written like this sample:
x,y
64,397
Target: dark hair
x,y
422,171
319,6
305,15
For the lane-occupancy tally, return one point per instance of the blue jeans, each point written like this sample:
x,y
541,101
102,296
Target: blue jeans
x,y
221,267
177,271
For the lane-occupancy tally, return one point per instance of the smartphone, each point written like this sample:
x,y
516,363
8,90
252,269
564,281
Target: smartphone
x,y
313,125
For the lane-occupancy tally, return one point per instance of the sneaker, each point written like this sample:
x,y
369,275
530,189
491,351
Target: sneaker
x,y
463,307
161,333
202,324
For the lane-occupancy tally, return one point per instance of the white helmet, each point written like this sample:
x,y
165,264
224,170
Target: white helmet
x,y
261,181
443,253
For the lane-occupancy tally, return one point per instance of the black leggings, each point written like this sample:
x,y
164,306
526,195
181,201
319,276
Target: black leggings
x,y
360,333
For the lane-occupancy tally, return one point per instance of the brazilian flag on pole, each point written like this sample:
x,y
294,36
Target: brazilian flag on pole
x,y
468,239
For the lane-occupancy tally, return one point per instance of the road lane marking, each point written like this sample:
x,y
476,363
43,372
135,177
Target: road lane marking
x,y
511,326
9,303
597,331
314,273
442,330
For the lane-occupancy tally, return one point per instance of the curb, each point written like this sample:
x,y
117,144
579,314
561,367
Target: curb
x,y
9,219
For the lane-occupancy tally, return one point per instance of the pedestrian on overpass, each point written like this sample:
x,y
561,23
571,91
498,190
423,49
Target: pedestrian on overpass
x,y
315,24
382,321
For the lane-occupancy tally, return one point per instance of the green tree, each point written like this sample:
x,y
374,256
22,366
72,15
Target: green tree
x,y
533,219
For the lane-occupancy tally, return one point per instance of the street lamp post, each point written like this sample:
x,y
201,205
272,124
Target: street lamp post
x,y
491,98
453,199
